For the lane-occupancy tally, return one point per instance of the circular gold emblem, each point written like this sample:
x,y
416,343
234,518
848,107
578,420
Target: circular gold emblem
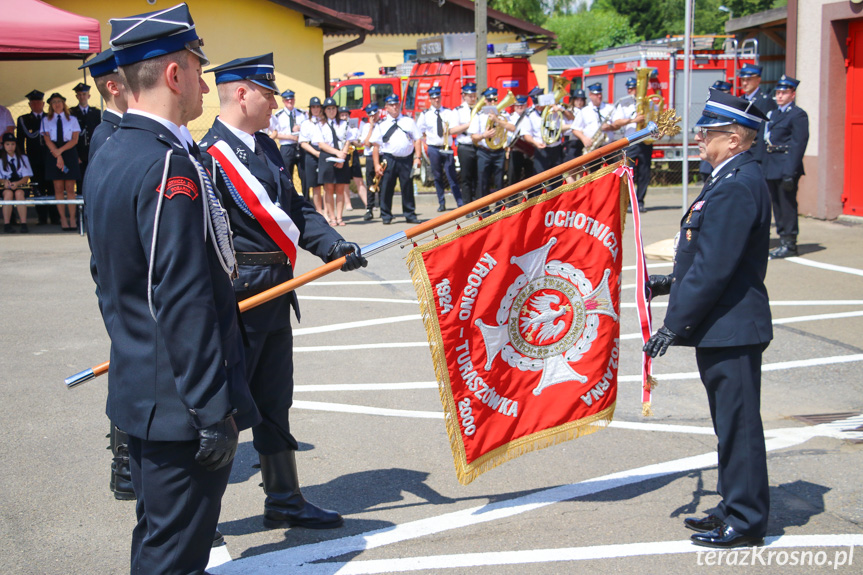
x,y
546,318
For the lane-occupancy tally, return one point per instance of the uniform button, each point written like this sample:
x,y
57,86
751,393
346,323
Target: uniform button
x,y
688,328
246,284
226,363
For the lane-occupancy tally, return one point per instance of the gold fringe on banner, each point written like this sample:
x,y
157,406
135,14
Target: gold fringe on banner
x,y
467,472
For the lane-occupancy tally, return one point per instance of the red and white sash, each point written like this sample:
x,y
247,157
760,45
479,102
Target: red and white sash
x,y
275,221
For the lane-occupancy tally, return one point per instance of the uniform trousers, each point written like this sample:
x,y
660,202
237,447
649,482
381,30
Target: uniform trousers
x,y
293,159
397,169
572,148
489,173
784,208
468,176
732,379
370,179
547,158
270,373
520,167
177,509
444,164
641,154
310,169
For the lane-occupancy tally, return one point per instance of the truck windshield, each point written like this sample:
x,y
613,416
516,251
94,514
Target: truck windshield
x,y
380,92
410,95
350,96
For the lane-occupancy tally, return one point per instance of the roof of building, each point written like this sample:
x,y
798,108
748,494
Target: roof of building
x,y
330,20
558,64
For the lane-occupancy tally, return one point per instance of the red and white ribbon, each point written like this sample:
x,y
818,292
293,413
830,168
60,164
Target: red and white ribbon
x,y
641,302
275,221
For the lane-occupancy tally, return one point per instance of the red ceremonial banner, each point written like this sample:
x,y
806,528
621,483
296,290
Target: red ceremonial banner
x,y
522,313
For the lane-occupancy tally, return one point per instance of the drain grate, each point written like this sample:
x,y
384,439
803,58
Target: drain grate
x,y
822,418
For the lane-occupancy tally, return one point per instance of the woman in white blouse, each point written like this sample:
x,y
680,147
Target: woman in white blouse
x,y
333,171
60,130
15,173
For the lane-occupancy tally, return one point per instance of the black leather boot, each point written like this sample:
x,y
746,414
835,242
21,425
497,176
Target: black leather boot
x,y
787,248
121,475
285,506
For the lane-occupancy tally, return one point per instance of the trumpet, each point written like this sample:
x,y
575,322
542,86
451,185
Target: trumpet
x,y
350,152
446,139
552,123
376,181
498,141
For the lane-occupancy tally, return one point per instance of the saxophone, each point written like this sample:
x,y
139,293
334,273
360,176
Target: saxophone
x,y
599,138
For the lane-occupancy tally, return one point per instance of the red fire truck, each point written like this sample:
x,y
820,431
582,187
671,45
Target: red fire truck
x,y
614,66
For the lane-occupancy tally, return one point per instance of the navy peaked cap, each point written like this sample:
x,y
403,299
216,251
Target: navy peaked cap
x,y
579,94
102,64
256,69
81,87
315,101
724,109
521,100
489,92
372,108
434,91
787,83
35,95
330,102
287,94
595,88
537,91
154,34
469,88
750,70
392,99
721,85
631,83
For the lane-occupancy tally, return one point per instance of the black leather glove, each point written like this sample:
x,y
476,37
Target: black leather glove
x,y
217,444
788,185
659,342
658,285
354,260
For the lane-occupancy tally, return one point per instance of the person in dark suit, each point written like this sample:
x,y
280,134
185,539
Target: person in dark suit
x,y
719,305
88,119
785,138
177,381
252,179
750,82
106,76
30,142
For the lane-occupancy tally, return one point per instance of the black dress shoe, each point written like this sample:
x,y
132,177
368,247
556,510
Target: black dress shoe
x,y
783,251
726,537
218,539
387,221
412,219
368,216
703,525
441,208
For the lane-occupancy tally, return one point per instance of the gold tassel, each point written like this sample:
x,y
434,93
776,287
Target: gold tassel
x,y
651,381
645,409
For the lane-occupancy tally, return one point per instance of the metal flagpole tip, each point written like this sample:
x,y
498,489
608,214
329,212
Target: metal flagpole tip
x,y
79,378
667,123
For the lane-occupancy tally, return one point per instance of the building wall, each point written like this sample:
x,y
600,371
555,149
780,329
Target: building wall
x,y
388,50
819,34
229,29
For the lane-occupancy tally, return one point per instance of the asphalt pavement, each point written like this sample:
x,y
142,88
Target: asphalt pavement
x,y
373,444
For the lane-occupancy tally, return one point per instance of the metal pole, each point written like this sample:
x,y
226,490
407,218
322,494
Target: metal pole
x,y
480,23
687,85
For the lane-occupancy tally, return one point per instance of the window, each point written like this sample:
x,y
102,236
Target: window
x,y
410,95
350,96
380,92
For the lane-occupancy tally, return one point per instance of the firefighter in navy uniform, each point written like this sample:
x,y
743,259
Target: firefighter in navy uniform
x,y
785,139
88,119
719,305
247,92
103,70
433,123
704,167
396,138
750,82
177,384
31,143
106,76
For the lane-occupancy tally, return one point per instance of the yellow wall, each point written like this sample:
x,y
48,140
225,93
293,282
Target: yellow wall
x,y
230,30
388,50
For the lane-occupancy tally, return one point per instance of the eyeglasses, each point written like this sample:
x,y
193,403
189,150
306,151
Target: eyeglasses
x,y
704,131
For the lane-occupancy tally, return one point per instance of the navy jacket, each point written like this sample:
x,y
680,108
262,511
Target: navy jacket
x,y
718,297
185,369
110,123
88,123
789,128
316,235
764,102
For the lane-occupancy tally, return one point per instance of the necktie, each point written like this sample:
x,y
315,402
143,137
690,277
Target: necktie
x,y
335,136
59,139
439,124
14,175
258,150
291,120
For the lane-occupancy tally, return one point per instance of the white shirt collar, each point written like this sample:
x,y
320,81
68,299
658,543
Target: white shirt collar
x,y
172,127
244,137
720,166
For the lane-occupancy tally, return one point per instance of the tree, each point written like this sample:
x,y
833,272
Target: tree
x,y
530,10
587,32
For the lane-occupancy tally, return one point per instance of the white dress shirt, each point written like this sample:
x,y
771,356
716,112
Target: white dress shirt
x,y
401,141
70,126
22,165
462,115
427,124
281,123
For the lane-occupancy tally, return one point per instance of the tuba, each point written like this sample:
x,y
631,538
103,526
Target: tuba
x,y
647,106
551,122
498,141
477,107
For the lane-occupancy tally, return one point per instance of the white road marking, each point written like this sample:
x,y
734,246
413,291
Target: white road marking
x,y
218,556
569,554
776,303
841,315
361,346
301,556
364,409
366,386
650,265
356,324
348,298
823,266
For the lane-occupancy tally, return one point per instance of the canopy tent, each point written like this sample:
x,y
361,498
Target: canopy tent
x,y
33,30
